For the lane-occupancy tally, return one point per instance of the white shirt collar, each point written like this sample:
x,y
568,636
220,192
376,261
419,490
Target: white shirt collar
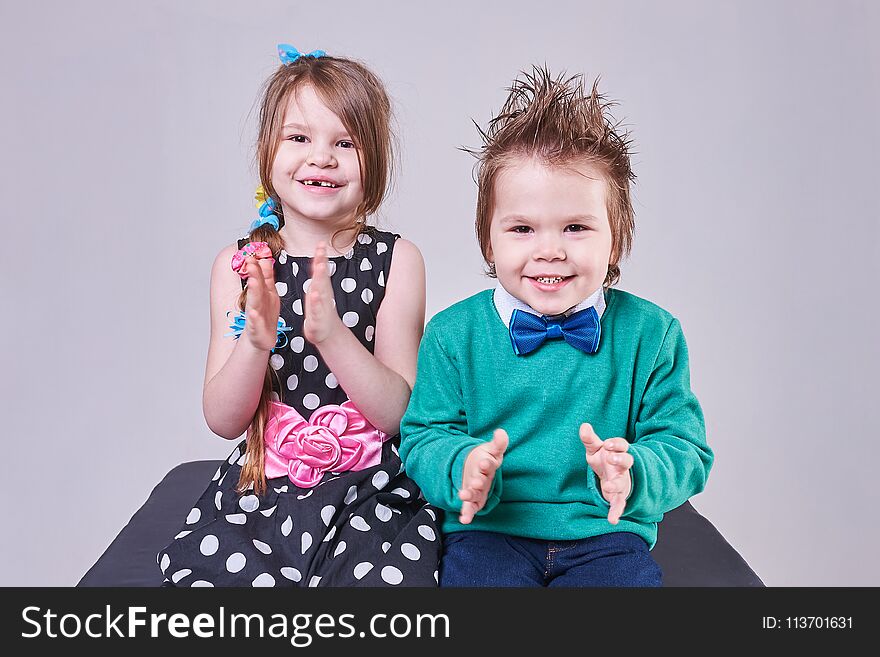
x,y
506,303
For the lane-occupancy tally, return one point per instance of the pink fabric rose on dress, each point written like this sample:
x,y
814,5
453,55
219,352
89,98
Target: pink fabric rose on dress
x,y
334,439
258,250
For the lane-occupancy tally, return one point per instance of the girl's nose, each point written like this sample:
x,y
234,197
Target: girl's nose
x,y
320,156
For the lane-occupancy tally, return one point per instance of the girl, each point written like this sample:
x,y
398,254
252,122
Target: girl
x,y
321,359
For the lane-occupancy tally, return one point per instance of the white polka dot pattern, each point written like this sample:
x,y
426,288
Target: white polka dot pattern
x,y
292,574
392,575
236,562
361,570
264,580
209,545
338,532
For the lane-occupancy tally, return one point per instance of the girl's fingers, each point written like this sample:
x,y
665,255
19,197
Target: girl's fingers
x,y
267,269
320,269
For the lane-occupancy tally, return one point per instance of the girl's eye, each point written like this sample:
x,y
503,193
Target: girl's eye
x,y
575,228
299,139
345,144
522,230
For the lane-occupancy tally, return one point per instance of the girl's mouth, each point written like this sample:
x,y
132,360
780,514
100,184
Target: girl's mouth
x,y
311,182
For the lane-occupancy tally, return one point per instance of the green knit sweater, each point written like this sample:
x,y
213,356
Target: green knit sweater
x,y
636,386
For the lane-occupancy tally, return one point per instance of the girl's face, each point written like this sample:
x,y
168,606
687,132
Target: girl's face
x,y
316,172
549,235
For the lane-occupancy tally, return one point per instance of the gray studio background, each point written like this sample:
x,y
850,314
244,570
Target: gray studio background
x,y
127,132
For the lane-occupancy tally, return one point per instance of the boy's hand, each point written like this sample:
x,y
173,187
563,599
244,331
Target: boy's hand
x,y
478,473
262,305
611,463
321,318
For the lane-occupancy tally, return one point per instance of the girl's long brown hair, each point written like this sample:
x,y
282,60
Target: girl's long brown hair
x,y
352,92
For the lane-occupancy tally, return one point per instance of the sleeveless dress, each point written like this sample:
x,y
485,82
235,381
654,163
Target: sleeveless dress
x,y
370,527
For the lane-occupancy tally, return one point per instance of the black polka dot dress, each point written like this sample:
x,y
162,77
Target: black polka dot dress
x,y
370,527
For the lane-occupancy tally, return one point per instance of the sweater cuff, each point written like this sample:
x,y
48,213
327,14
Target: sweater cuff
x,y
595,485
494,496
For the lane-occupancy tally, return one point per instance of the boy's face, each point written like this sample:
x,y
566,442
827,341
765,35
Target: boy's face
x,y
549,235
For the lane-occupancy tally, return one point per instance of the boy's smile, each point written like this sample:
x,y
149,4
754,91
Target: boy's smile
x,y
549,235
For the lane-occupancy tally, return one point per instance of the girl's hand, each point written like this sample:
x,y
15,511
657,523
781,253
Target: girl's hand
x,y
321,318
478,473
611,463
262,304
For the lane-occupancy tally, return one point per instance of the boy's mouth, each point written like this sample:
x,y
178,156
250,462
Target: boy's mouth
x,y
549,283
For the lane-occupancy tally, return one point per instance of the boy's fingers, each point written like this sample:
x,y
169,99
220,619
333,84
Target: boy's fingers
x,y
616,444
616,510
589,438
499,443
477,485
468,510
486,467
622,461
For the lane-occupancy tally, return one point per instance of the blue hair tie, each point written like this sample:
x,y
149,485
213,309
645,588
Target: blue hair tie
x,y
238,323
289,54
267,215
272,220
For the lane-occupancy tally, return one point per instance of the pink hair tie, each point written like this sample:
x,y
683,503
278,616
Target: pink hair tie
x,y
258,250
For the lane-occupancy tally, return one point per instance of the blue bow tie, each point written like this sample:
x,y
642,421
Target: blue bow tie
x,y
580,330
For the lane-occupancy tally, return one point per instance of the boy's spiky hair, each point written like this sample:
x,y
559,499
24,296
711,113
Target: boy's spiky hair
x,y
556,121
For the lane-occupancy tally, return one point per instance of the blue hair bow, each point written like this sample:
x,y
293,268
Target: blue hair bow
x,y
237,327
267,215
289,54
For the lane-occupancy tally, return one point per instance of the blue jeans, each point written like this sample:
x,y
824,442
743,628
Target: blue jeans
x,y
478,558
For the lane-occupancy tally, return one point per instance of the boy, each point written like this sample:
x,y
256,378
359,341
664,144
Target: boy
x,y
518,387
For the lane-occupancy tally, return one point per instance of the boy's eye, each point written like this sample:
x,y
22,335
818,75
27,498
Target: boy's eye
x,y
521,229
345,144
300,139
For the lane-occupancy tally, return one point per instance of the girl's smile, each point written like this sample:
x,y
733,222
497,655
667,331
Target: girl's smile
x,y
316,171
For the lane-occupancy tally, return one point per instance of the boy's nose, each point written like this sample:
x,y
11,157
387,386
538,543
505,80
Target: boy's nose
x,y
549,250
